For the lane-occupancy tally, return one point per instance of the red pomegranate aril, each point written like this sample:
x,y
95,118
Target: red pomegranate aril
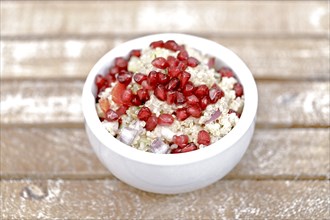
x,y
163,78
100,81
127,96
171,45
192,100
104,104
181,114
160,62
124,77
110,78
114,70
143,95
121,110
151,123
146,85
111,115
173,71
182,65
188,89
238,89
173,84
195,111
160,92
201,91
121,63
226,72
204,102
183,55
152,78
180,98
180,140
211,62
156,44
135,53
203,138
172,61
171,97
139,77
184,78
136,101
190,147
176,151
215,93
192,62
165,119
232,111
144,113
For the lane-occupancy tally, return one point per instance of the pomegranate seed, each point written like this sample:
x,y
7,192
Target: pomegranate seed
x,y
139,77
232,111
201,91
204,102
215,93
195,111
173,84
180,140
160,62
203,138
163,78
110,78
135,53
152,78
146,85
192,62
171,45
181,114
180,98
156,44
182,65
176,151
173,71
192,100
100,81
171,97
185,76
111,115
144,113
211,62
182,55
136,101
165,119
226,72
160,92
121,63
188,89
124,77
190,147
104,104
121,110
127,96
172,61
238,89
151,123
114,70
143,95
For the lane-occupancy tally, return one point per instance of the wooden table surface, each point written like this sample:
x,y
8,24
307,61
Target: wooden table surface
x,y
48,168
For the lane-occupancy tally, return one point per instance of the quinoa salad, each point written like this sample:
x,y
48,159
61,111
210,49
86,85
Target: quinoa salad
x,y
168,98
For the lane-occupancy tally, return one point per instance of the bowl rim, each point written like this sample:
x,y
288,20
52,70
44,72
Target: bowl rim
x,y
206,47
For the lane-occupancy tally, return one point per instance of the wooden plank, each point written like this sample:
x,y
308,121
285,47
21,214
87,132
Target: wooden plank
x,y
49,101
66,153
292,58
111,199
95,18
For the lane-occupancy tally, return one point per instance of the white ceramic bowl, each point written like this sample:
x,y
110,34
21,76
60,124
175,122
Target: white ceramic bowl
x,y
171,173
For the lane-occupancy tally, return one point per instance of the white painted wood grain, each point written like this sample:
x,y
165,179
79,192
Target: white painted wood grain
x,y
126,17
111,199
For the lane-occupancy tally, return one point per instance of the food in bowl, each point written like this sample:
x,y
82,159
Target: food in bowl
x,y
168,98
